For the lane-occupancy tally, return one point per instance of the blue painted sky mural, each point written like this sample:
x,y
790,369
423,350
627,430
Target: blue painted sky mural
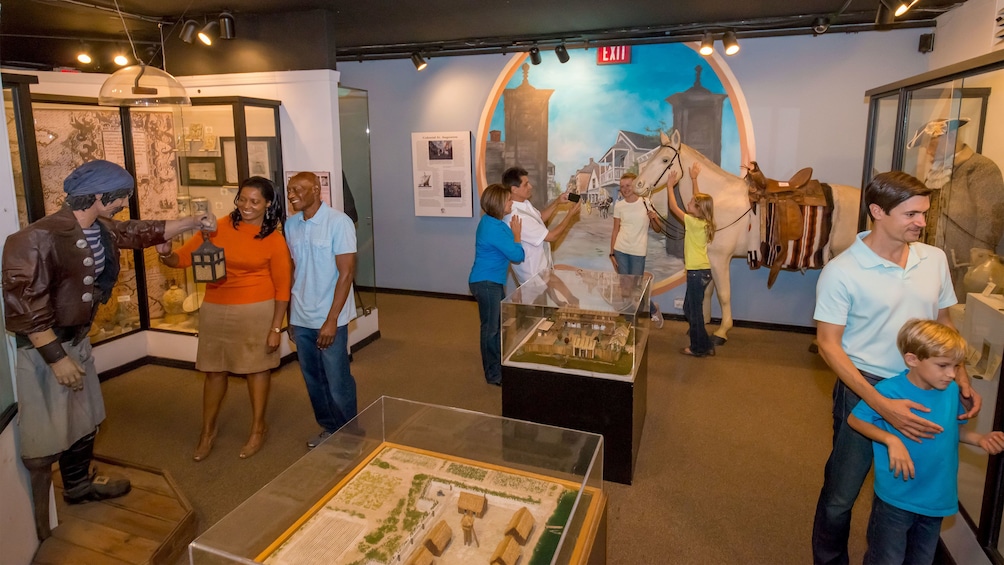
x,y
592,102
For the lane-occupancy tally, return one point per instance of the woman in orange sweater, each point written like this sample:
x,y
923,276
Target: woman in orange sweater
x,y
241,316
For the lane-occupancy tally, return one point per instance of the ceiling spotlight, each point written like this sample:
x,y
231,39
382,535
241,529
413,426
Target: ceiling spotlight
x,y
418,61
84,56
707,44
902,6
535,55
884,17
562,53
121,60
208,31
188,31
730,43
227,26
820,25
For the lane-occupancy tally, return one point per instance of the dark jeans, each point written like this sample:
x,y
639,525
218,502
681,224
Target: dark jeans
x,y
845,472
489,296
693,310
632,265
899,536
330,385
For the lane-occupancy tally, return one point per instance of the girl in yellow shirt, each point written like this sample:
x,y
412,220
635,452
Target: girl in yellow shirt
x,y
699,225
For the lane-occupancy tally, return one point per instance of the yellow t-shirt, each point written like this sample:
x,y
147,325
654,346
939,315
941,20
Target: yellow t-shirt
x,y
695,244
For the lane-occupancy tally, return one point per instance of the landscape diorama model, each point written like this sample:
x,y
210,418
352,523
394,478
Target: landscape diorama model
x,y
406,507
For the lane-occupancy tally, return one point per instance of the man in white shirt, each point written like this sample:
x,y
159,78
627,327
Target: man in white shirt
x,y
536,236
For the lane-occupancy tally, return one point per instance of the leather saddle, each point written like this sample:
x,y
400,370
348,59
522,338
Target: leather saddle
x,y
786,199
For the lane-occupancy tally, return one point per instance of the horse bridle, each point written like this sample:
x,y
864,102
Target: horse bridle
x,y
663,220
674,158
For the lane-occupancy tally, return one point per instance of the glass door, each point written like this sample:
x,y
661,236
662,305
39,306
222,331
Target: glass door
x,y
353,112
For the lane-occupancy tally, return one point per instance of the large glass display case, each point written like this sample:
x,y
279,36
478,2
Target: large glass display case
x,y
943,127
577,321
215,144
184,159
406,482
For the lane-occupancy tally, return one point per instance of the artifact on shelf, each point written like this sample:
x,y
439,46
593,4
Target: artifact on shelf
x,y
984,267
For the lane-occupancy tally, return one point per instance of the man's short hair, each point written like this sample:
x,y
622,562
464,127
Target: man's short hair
x,y
629,176
891,189
513,177
928,338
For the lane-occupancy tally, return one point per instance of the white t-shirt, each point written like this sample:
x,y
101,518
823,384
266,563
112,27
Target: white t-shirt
x,y
537,251
633,235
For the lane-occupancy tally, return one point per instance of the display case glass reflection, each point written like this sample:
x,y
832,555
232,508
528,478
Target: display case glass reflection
x,y
577,321
406,478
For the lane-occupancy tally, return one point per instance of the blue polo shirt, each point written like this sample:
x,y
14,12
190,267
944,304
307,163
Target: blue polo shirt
x,y
872,298
314,244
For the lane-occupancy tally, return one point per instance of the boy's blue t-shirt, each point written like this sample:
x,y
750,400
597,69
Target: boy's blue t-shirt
x,y
934,490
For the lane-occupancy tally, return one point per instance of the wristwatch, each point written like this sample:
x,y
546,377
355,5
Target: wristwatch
x,y
277,330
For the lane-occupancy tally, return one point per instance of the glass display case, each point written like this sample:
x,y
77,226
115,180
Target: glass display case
x,y
576,321
213,145
357,189
943,127
406,482
184,159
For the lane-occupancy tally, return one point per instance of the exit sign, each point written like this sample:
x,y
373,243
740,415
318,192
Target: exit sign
x,y
613,55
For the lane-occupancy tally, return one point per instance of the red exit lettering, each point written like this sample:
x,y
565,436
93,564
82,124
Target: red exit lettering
x,y
613,55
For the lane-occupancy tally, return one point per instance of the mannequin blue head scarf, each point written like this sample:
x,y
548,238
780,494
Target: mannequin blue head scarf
x,y
97,177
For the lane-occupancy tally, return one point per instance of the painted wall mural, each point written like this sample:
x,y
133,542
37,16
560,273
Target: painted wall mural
x,y
581,125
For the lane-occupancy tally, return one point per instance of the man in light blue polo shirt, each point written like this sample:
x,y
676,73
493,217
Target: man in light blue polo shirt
x,y
322,241
863,298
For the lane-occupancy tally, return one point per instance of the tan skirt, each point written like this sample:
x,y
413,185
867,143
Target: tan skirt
x,y
232,338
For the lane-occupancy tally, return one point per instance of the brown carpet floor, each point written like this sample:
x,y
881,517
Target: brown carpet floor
x,y
730,463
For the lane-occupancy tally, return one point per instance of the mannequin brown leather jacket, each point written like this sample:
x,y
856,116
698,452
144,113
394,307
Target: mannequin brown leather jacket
x,y
48,272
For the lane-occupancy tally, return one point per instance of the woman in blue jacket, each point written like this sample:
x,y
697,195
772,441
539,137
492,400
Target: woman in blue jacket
x,y
496,245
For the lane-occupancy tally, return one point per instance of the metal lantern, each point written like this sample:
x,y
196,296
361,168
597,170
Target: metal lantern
x,y
208,262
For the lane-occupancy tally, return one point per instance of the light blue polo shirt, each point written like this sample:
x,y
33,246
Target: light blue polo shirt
x,y
314,243
872,298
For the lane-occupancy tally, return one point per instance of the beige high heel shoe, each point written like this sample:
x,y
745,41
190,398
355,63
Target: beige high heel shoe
x,y
254,444
204,447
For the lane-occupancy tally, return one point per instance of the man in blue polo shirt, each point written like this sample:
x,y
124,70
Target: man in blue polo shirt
x,y
322,241
863,298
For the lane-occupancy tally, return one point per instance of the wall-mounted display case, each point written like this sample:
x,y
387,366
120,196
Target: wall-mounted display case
x,y
405,481
577,321
943,127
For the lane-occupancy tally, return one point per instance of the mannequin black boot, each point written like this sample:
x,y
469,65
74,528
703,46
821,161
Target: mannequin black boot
x,y
79,484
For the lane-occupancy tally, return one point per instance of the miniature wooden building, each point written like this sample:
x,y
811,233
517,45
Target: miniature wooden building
x,y
421,556
439,537
476,504
520,526
507,552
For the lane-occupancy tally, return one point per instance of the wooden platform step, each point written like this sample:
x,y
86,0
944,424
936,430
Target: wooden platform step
x,y
154,523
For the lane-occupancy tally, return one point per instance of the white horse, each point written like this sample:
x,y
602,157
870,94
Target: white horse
x,y
738,227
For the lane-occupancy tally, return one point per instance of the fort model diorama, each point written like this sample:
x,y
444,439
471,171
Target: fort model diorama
x,y
406,506
577,320
580,339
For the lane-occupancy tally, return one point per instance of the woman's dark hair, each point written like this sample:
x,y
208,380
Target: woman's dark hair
x,y
275,214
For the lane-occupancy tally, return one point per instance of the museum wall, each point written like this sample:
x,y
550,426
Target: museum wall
x,y
806,99
964,32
